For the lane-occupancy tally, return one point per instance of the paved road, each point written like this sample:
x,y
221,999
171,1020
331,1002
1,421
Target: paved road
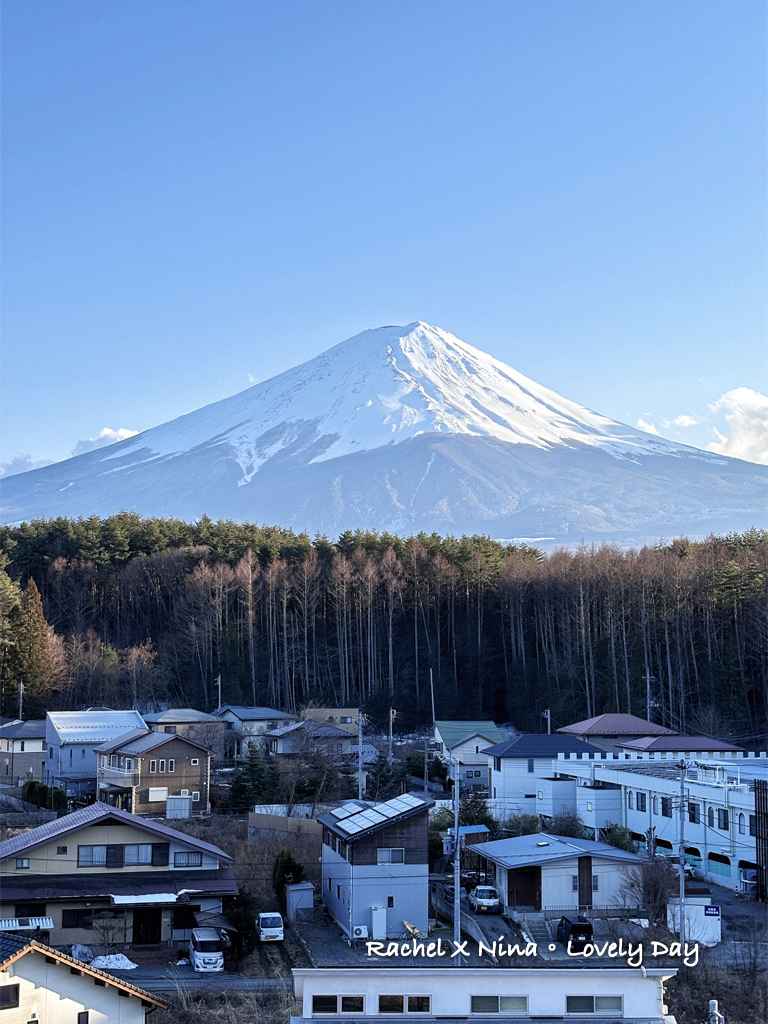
x,y
164,978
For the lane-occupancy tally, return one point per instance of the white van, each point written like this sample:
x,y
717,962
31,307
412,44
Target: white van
x,y
206,950
270,927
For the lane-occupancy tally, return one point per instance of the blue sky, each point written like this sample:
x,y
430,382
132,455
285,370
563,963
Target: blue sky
x,y
197,195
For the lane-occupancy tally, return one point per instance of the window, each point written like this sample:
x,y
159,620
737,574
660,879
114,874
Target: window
x,y
194,761
9,997
753,824
742,825
594,1004
113,761
138,853
162,766
642,802
711,817
77,919
419,1004
82,752
469,775
346,720
666,807
187,859
157,794
499,1004
21,745
694,814
329,885
160,854
497,764
195,796
171,765
153,767
169,728
390,856
91,856
595,883
22,863
723,822
390,902
630,799
655,805
478,774
185,792
391,1004
574,883
114,856
530,764
324,1004
338,892
719,865
82,1017
29,910
353,1004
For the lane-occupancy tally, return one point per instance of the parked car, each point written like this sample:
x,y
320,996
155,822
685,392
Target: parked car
x,y
270,927
485,900
576,930
448,894
206,950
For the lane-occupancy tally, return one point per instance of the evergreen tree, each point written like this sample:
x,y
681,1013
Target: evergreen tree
x,y
386,779
30,659
620,837
286,871
255,783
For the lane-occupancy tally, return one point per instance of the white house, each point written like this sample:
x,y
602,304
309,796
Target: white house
x,y
375,866
465,741
249,724
541,871
400,993
516,765
41,984
23,752
72,738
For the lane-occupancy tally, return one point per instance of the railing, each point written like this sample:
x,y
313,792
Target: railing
x,y
602,912
119,776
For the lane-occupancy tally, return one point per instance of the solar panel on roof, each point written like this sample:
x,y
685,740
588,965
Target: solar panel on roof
x,y
412,801
398,805
351,827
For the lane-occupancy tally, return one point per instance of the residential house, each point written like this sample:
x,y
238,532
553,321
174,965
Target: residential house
x,y
343,718
100,860
605,731
375,874
246,725
143,771
72,738
398,992
302,737
23,752
370,757
42,984
516,766
207,730
465,742
695,746
541,871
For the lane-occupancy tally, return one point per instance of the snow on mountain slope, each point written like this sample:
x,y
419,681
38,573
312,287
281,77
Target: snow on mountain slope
x,y
405,429
382,387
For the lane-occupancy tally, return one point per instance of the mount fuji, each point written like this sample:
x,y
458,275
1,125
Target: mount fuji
x,y
406,429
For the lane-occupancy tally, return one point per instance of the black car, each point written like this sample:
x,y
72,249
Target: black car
x,y
576,930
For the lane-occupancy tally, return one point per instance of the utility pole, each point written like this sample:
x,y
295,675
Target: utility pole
x,y
21,698
426,765
432,692
392,717
681,853
359,756
218,683
546,714
648,678
456,865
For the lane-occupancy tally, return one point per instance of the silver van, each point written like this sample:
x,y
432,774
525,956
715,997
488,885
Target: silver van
x,y
206,950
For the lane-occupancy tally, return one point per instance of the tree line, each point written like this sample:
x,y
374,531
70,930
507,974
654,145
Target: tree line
x,y
127,610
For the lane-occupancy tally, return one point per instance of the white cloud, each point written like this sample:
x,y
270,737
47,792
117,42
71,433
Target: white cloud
x,y
21,462
747,418
649,428
684,420
107,436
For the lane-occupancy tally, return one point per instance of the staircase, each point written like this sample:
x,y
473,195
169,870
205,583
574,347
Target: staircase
x,y
536,926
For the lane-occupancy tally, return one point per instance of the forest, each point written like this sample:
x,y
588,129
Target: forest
x,y
140,612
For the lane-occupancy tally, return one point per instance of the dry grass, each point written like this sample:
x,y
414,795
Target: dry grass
x,y
233,1007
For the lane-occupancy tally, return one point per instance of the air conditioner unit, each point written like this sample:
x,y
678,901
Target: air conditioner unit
x,y
360,931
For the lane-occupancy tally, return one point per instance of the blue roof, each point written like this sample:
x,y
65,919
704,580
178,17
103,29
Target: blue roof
x,y
542,848
542,745
465,830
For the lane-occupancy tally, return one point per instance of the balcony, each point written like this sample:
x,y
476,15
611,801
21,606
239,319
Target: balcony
x,y
121,777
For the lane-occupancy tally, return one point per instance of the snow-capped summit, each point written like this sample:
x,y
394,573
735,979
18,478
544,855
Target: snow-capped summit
x,y
404,428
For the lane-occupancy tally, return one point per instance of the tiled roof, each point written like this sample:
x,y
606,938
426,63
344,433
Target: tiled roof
x,y
615,725
23,887
682,743
91,815
252,714
33,729
139,741
541,745
453,733
10,945
33,946
542,848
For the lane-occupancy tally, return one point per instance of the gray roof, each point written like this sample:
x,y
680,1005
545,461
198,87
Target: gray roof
x,y
10,945
674,743
542,848
541,745
356,819
94,726
180,715
139,741
252,714
91,815
613,724
313,728
33,729
453,733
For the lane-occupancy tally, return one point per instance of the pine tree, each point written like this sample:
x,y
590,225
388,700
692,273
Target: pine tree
x,y
30,657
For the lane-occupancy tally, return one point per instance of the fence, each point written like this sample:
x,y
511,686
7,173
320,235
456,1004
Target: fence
x,y
617,913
